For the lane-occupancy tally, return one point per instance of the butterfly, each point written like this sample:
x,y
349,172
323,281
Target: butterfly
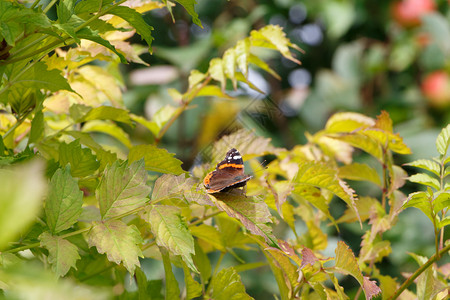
x,y
229,174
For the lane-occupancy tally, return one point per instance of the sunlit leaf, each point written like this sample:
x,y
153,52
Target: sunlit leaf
x,y
208,234
122,188
216,71
118,241
422,201
242,51
273,37
172,288
171,231
323,176
227,285
62,253
156,159
428,286
357,171
64,201
425,179
108,128
443,141
348,122
441,201
229,65
193,288
107,113
347,264
251,211
212,90
426,164
20,200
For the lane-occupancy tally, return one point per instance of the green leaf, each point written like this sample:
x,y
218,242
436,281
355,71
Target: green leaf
x,y
441,201
284,270
227,285
251,211
325,177
229,65
37,128
426,164
443,141
425,179
172,288
346,263
63,255
14,18
357,171
212,90
189,6
273,37
193,288
242,50
107,113
422,201
135,19
20,200
216,71
202,263
210,235
82,161
119,241
108,128
171,231
444,222
314,196
64,201
122,188
158,160
39,77
428,286
64,10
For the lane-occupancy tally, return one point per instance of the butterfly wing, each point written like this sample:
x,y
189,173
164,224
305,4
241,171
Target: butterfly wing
x,y
229,173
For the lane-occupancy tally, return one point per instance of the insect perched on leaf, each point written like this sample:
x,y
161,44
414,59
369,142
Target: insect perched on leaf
x,y
229,174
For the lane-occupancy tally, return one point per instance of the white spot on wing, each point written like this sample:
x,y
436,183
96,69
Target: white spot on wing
x,y
237,157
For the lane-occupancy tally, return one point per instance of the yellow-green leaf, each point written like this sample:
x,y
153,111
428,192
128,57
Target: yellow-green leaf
x,y
122,188
156,159
118,241
62,253
227,285
64,201
22,190
171,231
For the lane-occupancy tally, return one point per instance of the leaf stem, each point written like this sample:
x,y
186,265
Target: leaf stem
x,y
35,3
419,271
47,8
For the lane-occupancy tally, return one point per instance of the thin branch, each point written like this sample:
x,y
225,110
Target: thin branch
x,y
419,271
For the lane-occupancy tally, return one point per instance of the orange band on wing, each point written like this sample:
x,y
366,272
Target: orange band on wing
x,y
231,166
207,179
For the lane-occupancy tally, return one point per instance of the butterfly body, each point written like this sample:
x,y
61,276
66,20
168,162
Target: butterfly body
x,y
229,174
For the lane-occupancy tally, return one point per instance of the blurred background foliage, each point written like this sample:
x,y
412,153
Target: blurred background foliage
x,y
359,55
